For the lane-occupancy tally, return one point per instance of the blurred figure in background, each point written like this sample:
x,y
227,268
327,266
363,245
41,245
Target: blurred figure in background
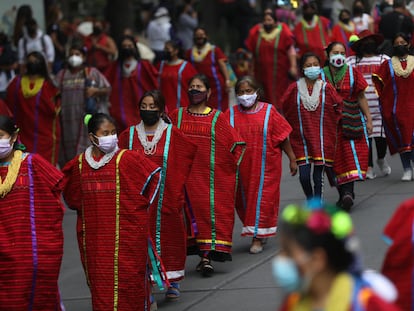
x,y
186,22
159,31
361,19
24,13
343,30
101,48
8,63
57,35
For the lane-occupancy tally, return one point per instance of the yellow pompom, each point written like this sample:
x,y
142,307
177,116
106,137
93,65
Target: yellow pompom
x,y
87,118
341,224
353,38
290,213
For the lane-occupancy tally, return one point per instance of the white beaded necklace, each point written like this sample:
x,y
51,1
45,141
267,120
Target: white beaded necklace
x,y
150,147
104,160
309,102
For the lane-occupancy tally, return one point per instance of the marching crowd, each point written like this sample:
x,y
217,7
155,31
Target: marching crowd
x,y
157,159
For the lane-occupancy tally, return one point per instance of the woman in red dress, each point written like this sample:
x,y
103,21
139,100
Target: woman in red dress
x,y
210,60
342,31
31,235
266,133
313,108
165,145
274,57
34,102
174,74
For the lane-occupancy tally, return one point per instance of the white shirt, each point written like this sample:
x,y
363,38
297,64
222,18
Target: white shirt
x,y
35,44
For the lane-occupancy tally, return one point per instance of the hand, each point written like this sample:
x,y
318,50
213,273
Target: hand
x,y
293,167
369,126
228,85
91,91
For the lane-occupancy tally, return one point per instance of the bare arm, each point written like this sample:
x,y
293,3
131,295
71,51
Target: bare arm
x,y
109,48
224,72
287,148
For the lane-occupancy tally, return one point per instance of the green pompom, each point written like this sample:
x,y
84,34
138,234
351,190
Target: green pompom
x,y
341,224
87,118
353,38
290,213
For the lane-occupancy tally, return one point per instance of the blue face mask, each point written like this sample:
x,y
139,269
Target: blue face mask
x,y
286,274
312,72
337,60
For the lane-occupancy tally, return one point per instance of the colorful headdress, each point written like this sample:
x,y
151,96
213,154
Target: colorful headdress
x,y
319,218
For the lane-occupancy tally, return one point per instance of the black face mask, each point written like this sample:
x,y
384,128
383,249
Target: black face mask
x,y
33,68
197,97
200,41
358,10
267,27
124,53
32,31
400,50
370,48
345,20
308,16
167,56
96,31
149,117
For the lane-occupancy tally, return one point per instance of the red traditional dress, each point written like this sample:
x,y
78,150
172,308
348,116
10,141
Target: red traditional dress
x,y
341,33
127,91
314,129
97,57
205,61
174,153
4,110
347,293
397,105
271,60
258,195
31,237
351,155
36,109
173,81
212,181
112,227
398,263
313,37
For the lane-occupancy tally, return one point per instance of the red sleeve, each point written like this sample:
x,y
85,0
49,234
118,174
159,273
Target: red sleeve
x,y
11,94
49,174
149,75
288,101
219,54
123,139
251,40
174,116
289,37
4,110
71,184
360,82
335,98
326,23
402,216
375,303
380,77
188,54
280,127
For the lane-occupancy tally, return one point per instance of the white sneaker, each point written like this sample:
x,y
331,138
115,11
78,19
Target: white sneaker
x,y
370,173
384,167
408,175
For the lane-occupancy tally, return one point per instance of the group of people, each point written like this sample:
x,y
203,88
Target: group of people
x,y
156,158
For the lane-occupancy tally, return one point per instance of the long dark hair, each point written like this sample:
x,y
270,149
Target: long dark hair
x,y
96,121
329,49
305,57
137,56
41,59
159,101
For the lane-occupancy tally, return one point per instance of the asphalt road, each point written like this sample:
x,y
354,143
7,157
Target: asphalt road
x,y
246,283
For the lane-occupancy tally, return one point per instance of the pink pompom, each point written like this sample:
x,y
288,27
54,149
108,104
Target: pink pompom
x,y
319,222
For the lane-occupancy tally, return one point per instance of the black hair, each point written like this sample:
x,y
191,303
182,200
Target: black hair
x,y
403,35
78,46
338,257
159,99
96,121
41,59
305,57
203,78
132,39
271,14
310,5
398,4
200,28
250,81
176,45
329,49
344,11
8,125
31,22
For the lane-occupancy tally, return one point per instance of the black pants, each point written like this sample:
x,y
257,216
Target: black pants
x,y
381,144
305,180
347,188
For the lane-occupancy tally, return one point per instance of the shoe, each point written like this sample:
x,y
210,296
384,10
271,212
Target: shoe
x,y
370,173
408,175
205,267
173,292
257,246
347,202
384,167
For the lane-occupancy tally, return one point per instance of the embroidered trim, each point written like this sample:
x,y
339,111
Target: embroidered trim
x,y
25,85
13,171
399,71
102,162
199,55
310,102
150,147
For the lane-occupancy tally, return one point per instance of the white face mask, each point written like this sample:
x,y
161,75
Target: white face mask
x,y
5,147
337,60
247,100
75,61
107,144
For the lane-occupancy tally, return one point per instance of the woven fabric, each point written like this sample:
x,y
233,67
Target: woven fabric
x,y
4,110
112,227
37,118
272,76
167,224
216,79
31,238
212,180
127,91
169,79
352,126
258,194
314,133
351,156
398,264
397,108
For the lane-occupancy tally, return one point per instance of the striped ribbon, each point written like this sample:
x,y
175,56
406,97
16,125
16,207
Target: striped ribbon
x,y
33,230
212,178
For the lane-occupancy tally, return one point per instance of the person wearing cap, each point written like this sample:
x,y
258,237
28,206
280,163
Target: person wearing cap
x,y
79,84
368,60
318,265
394,82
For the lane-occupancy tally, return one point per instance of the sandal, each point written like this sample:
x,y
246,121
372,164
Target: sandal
x,y
257,246
173,292
205,267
